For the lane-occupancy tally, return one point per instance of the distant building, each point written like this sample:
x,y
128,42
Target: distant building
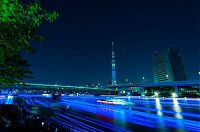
x,y
168,67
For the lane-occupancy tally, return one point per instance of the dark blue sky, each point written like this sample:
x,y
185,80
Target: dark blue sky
x,y
77,48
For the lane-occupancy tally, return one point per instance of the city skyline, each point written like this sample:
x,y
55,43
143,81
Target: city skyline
x,y
99,65
77,46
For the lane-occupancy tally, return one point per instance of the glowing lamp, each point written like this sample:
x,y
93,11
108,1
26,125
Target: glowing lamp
x,y
174,95
156,93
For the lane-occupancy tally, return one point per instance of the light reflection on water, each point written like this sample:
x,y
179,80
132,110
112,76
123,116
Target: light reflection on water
x,y
121,116
160,112
158,107
156,113
177,109
145,111
178,114
9,99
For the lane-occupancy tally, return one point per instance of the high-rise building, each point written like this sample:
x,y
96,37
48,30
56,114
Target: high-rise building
x,y
168,67
114,82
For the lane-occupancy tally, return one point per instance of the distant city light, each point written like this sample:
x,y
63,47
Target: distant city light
x,y
174,95
156,94
10,97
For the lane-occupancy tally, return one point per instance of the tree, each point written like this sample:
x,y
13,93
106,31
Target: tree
x,y
18,27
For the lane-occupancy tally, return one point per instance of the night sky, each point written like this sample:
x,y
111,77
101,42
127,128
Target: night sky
x,y
77,47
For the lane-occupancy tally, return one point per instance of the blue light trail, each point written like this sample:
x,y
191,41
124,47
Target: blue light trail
x,y
86,113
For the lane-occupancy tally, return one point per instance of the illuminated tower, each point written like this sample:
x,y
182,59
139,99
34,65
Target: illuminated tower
x,y
113,66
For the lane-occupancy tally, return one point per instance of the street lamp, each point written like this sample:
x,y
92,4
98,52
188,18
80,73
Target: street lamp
x,y
174,95
156,94
143,79
126,80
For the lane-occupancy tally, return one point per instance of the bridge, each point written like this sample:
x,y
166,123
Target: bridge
x,y
175,85
30,88
108,90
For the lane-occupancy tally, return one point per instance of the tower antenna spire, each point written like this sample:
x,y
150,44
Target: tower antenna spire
x,y
112,46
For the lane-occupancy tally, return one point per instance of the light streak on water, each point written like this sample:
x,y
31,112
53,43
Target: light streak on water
x,y
120,117
161,121
177,109
158,107
154,113
9,99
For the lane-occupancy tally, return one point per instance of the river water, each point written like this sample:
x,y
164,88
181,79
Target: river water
x,y
122,113
136,113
